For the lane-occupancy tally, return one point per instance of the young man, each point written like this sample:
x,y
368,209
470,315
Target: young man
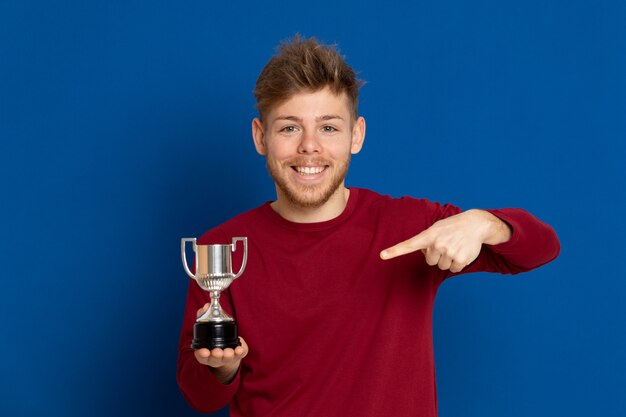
x,y
335,305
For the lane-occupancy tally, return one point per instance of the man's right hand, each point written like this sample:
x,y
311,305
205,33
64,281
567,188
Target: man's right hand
x,y
224,363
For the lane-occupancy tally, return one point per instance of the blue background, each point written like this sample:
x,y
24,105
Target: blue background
x,y
125,126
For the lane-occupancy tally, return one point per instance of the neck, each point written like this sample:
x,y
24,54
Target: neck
x,y
328,211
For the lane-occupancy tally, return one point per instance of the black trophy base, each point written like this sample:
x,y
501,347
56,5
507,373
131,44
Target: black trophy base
x,y
215,335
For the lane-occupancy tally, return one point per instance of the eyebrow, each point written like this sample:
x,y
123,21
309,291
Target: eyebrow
x,y
322,118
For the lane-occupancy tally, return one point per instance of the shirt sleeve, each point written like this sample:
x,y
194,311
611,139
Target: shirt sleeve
x,y
202,390
533,243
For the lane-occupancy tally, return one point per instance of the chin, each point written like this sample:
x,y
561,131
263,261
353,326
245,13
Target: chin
x,y
314,198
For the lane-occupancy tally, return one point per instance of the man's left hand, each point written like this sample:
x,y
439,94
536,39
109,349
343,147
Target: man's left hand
x,y
454,242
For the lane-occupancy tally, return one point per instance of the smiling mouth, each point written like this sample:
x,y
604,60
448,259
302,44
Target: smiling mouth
x,y
309,170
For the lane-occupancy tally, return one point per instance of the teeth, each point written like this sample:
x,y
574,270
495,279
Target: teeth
x,y
309,170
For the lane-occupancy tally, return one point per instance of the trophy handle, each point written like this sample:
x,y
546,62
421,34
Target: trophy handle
x,y
245,253
183,243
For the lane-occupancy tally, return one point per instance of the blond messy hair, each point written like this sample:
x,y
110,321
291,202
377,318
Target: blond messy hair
x,y
305,64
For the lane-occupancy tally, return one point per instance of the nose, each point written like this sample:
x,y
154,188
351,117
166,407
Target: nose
x,y
309,143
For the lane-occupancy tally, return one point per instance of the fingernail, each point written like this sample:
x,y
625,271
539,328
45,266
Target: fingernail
x,y
384,254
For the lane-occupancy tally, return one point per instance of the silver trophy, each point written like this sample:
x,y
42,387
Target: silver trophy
x,y
214,273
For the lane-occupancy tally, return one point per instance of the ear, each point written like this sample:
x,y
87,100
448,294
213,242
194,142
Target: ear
x,y
258,135
358,136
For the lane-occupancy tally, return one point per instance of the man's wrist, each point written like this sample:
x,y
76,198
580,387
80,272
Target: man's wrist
x,y
225,374
496,230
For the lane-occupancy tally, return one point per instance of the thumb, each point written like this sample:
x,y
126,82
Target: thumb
x,y
417,242
202,310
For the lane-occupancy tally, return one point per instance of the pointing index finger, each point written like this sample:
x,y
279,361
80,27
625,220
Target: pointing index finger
x,y
418,242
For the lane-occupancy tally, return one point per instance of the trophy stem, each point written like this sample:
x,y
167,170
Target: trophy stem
x,y
215,313
215,308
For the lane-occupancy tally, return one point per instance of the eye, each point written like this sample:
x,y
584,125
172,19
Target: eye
x,y
288,129
328,129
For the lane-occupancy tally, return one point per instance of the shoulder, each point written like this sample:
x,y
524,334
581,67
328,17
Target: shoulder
x,y
237,225
402,213
396,205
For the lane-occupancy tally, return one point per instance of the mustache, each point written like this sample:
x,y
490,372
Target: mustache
x,y
306,162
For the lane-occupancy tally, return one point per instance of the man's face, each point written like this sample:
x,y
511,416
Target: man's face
x,y
307,141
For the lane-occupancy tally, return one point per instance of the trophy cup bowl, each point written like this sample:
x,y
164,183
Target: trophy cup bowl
x,y
214,273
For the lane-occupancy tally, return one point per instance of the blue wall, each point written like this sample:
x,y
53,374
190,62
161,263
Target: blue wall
x,y
124,126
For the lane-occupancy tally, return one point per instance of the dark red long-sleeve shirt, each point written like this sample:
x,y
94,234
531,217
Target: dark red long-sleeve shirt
x,y
332,329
